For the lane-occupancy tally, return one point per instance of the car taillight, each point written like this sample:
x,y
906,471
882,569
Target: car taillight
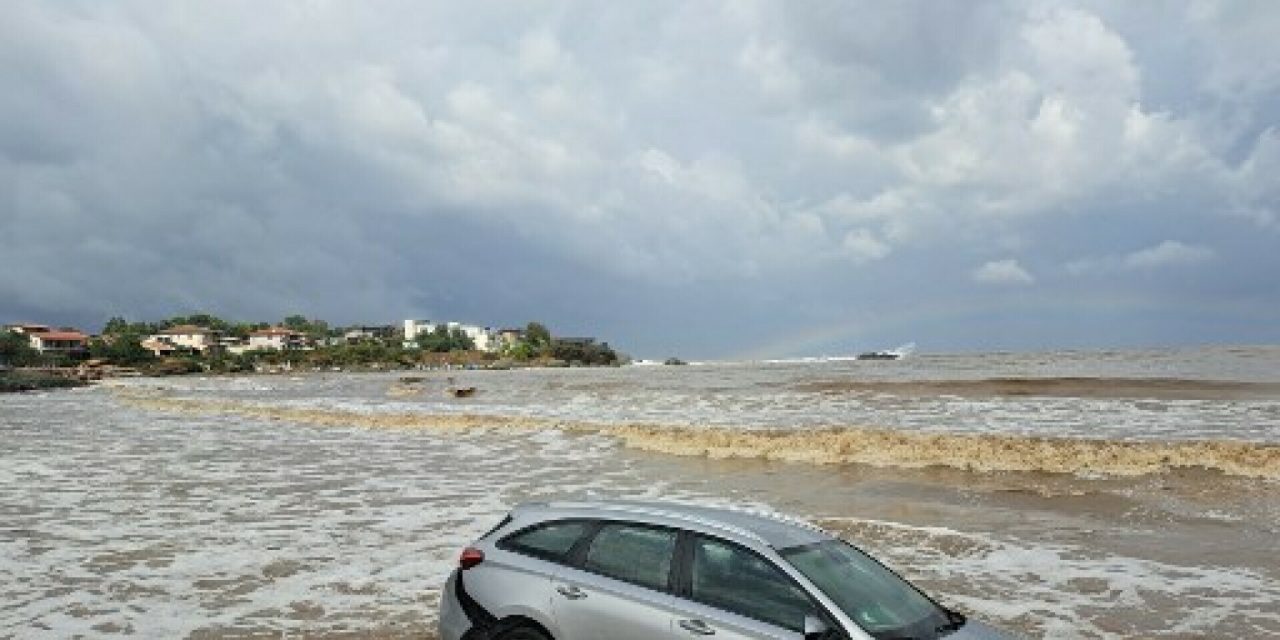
x,y
470,557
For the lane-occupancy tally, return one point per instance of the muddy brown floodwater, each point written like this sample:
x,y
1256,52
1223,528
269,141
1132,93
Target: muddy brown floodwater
x,y
319,506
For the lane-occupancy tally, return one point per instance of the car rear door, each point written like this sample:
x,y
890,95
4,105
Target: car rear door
x,y
516,577
728,592
618,587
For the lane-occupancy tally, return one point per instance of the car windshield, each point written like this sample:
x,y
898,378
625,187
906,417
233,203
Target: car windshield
x,y
883,604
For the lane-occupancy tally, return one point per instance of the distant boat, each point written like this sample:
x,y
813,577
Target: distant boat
x,y
460,392
879,355
889,354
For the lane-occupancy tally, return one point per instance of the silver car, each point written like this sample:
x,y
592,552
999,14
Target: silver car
x,y
652,571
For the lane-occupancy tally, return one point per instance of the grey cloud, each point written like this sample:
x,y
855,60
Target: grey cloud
x,y
1002,272
1167,254
793,162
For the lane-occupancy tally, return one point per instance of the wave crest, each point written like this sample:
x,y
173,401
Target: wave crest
x,y
842,445
971,452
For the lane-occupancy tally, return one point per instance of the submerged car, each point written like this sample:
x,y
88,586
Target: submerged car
x,y
653,571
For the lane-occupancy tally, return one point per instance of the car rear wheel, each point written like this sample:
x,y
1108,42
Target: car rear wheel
x,y
523,633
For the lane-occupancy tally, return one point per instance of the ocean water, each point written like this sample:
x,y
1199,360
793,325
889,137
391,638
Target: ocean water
x,y
1128,494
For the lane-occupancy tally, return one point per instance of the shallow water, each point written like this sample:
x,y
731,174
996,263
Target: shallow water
x,y
333,505
122,521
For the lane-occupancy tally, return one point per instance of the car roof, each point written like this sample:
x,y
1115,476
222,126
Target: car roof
x,y
772,529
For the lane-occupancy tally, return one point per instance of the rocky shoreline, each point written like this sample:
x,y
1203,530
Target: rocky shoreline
x,y
21,381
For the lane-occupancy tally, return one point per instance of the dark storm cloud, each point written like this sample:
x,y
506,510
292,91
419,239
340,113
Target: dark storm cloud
x,y
714,179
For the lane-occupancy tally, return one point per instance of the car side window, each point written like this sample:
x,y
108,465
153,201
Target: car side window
x,y
631,553
731,578
550,541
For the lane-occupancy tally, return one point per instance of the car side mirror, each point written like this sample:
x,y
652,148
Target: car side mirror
x,y
815,628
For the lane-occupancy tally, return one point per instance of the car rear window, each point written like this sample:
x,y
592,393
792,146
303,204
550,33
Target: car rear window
x,y
550,541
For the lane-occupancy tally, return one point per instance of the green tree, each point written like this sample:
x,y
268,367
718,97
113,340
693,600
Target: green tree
x,y
230,363
118,325
537,334
115,325
522,350
16,350
241,330
318,330
124,350
296,323
459,341
442,340
435,341
587,353
315,329
206,320
536,342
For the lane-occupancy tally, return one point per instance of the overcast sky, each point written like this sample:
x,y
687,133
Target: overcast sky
x,y
732,180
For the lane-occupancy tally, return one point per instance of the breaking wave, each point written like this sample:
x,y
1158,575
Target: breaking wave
x,y
826,446
972,452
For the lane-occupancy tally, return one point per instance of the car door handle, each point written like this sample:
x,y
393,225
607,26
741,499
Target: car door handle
x,y
570,592
697,626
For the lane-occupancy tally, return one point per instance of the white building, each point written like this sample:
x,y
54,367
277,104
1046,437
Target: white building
x,y
233,345
414,328
276,339
159,348
484,338
59,341
369,333
188,336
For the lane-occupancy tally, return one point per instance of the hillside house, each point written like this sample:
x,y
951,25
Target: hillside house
x,y
64,341
484,338
190,338
46,339
378,333
277,339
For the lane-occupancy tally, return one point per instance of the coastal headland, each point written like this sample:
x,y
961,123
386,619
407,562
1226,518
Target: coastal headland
x,y
203,343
